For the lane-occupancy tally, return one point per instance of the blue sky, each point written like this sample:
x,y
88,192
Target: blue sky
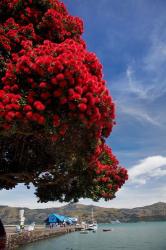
x,y
129,38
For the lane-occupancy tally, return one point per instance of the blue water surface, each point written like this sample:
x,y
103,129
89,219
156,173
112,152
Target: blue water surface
x,y
127,236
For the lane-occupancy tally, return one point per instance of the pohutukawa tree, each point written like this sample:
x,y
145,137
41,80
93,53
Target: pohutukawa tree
x,y
55,108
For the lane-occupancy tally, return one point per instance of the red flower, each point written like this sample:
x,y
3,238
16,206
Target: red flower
x,y
63,100
45,96
109,186
10,116
60,77
63,84
58,93
54,80
56,121
39,106
79,89
41,120
6,126
82,107
54,138
72,106
29,115
1,106
27,108
43,85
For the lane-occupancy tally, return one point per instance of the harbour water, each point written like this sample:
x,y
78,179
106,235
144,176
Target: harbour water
x,y
125,236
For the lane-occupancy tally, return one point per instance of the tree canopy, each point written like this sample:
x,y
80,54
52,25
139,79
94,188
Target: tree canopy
x,y
55,108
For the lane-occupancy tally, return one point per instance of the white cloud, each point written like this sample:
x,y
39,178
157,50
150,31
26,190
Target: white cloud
x,y
132,194
130,197
154,166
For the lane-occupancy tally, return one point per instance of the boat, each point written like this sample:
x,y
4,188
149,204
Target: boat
x,y
107,229
93,226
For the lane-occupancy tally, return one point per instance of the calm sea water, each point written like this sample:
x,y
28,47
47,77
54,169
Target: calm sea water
x,y
127,236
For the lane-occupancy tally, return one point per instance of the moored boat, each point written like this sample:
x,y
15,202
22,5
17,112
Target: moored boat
x,y
93,226
107,229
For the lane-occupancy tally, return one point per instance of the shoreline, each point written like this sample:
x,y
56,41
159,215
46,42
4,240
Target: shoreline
x,y
15,240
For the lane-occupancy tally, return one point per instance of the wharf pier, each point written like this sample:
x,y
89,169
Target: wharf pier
x,y
16,240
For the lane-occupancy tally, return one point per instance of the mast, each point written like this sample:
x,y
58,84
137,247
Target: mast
x,y
92,216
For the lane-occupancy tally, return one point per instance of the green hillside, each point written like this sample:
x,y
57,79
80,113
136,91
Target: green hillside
x,y
155,212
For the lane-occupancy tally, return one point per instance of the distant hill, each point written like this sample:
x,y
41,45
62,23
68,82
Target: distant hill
x,y
154,212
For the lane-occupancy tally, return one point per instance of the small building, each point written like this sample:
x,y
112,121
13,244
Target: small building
x,y
56,219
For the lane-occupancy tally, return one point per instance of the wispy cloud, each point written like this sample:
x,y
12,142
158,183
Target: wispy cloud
x,y
142,87
133,86
140,90
139,114
157,51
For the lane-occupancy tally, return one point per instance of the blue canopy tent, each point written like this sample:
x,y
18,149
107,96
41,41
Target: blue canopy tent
x,y
55,218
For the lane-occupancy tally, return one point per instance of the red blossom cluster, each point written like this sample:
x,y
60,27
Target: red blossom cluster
x,y
50,82
109,174
57,82
50,18
57,27
12,35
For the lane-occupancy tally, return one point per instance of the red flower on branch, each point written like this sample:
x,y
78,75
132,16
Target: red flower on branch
x,y
52,89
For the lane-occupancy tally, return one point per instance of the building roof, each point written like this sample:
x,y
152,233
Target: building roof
x,y
56,218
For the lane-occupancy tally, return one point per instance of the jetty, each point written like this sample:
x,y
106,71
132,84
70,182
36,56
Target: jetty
x,y
15,240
